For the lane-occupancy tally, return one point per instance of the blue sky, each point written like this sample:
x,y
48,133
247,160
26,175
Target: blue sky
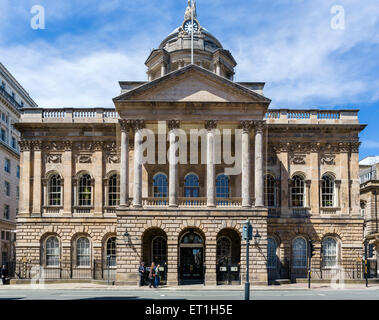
x,y
89,45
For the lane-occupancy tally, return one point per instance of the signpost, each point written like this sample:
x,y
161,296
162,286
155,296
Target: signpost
x,y
247,234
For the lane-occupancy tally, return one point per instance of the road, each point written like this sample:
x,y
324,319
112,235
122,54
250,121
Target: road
x,y
100,294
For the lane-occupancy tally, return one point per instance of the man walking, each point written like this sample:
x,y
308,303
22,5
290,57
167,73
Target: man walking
x,y
141,271
157,276
4,274
151,275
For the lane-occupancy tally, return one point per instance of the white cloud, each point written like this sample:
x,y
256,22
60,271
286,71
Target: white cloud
x,y
370,144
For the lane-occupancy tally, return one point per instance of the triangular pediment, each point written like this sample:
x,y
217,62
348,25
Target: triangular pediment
x,y
192,84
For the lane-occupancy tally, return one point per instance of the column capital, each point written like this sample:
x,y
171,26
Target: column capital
x,y
138,124
246,125
210,124
259,125
67,145
37,145
173,124
125,124
25,145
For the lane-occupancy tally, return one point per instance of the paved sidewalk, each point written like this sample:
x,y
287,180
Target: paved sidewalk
x,y
284,287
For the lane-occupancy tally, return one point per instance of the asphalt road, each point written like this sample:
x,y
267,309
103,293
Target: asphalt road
x,y
98,294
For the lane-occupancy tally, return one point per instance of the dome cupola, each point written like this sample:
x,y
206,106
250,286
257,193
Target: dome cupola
x,y
175,50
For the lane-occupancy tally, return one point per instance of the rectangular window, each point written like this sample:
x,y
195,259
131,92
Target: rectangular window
x,y
14,143
18,193
6,211
18,172
3,116
7,188
2,84
2,235
3,135
7,236
7,165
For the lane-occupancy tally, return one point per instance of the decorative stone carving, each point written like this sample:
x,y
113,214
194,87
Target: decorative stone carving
x,y
98,145
138,124
355,146
84,146
298,158
125,124
54,158
328,159
113,158
54,146
173,124
246,125
84,158
25,145
67,145
210,124
37,145
259,126
281,147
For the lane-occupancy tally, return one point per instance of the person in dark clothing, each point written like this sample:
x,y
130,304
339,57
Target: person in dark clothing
x,y
157,276
152,275
141,271
4,273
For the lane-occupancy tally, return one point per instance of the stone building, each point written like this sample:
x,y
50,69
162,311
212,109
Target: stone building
x,y
13,98
101,186
369,205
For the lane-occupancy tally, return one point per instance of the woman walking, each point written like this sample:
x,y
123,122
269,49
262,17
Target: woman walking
x,y
151,274
157,276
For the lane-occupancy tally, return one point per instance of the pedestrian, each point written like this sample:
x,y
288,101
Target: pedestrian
x,y
4,274
151,275
157,276
141,271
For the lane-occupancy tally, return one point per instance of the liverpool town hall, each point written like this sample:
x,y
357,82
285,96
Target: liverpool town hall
x,y
171,174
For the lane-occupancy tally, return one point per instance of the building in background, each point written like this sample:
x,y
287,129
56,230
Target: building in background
x,y
90,209
369,173
13,98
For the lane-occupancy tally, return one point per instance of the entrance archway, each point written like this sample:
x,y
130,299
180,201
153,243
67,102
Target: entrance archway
x,y
154,249
228,254
191,257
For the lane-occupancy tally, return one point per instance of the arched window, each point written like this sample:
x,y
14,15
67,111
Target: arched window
x,y
83,252
222,186
111,252
159,250
271,253
299,253
85,190
192,237
52,252
270,191
54,190
327,191
160,186
297,191
191,186
329,252
224,250
113,191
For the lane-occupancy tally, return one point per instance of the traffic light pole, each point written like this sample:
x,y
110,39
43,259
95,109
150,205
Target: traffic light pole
x,y
309,266
247,283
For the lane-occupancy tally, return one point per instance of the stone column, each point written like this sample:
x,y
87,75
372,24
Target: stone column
x,y
124,165
354,178
315,177
173,165
67,179
337,193
98,193
344,169
138,139
245,181
37,187
259,201
210,263
211,172
172,262
24,178
282,152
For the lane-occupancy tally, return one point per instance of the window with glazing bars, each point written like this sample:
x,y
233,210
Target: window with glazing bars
x,y
270,191
327,191
54,190
83,252
111,252
85,190
159,250
114,191
52,252
297,191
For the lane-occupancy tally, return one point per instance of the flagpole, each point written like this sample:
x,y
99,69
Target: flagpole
x,y
192,33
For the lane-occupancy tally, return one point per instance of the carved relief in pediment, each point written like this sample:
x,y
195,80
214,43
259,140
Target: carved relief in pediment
x,y
84,158
54,158
328,159
298,158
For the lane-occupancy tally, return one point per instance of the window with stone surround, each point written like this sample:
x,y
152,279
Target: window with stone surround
x,y
111,252
160,186
6,211
222,186
159,254
55,190
113,191
270,191
329,253
85,190
297,191
327,191
191,186
83,252
224,250
52,252
299,253
272,258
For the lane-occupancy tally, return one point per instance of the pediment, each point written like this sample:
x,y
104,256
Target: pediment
x,y
192,84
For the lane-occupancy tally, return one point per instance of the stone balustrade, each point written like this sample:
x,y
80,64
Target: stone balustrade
x,y
286,116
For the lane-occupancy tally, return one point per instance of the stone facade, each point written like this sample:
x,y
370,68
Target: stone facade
x,y
298,178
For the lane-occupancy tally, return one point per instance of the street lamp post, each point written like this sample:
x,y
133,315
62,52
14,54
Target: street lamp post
x,y
247,235
365,262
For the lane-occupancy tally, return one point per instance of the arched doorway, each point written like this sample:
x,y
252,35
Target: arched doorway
x,y
191,257
154,249
228,254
